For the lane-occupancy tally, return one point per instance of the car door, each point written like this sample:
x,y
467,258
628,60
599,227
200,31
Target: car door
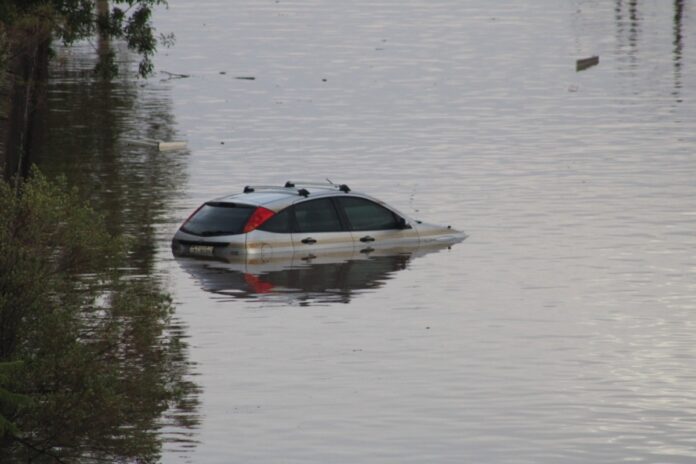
x,y
273,238
318,227
375,226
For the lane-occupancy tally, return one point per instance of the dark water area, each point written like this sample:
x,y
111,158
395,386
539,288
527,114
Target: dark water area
x,y
561,330
84,136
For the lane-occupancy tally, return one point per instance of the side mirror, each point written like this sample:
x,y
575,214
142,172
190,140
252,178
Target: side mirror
x,y
403,224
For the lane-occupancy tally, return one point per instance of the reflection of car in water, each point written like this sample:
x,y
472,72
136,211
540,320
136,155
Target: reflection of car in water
x,y
303,280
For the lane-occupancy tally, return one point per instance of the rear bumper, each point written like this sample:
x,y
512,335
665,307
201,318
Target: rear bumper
x,y
199,249
184,244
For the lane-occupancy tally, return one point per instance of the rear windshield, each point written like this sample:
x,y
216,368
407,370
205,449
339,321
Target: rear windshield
x,y
218,219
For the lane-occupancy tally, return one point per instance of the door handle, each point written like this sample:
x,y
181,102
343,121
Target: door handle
x,y
308,241
367,238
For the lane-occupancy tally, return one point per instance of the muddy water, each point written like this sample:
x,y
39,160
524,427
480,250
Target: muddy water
x,y
561,330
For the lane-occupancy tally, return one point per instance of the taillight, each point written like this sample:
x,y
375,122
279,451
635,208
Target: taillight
x,y
258,217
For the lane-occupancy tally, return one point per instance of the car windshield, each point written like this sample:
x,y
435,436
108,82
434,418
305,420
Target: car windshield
x,y
218,219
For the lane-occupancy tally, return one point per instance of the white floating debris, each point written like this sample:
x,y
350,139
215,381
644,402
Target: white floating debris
x,y
165,146
159,144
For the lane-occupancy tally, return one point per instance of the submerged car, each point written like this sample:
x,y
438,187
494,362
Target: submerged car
x,y
300,217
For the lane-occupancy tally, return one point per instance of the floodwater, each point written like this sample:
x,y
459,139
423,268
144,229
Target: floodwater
x,y
560,330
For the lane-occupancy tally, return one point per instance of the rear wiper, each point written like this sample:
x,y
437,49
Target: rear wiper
x,y
208,233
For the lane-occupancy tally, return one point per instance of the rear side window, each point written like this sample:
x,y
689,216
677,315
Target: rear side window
x,y
280,223
218,219
317,216
367,215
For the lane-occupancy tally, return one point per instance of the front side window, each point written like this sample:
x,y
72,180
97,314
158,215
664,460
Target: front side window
x,y
215,218
367,215
317,216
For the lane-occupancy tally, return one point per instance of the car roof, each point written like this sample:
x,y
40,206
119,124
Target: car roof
x,y
279,197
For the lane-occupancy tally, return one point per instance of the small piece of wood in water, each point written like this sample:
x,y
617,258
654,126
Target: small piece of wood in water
x,y
159,144
175,75
584,63
166,146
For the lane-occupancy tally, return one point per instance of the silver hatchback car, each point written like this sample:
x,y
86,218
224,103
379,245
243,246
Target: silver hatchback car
x,y
300,217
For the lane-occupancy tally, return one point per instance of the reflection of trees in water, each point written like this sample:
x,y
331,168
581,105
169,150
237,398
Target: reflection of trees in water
x,y
91,350
630,34
626,13
81,136
678,45
82,419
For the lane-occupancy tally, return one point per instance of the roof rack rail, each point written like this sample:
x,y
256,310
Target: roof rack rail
x,y
274,188
296,187
328,184
253,188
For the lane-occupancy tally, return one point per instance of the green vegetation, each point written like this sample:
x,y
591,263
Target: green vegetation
x,y
88,363
72,20
28,28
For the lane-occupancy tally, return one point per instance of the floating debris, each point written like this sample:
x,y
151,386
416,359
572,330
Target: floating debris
x,y
166,146
175,75
159,144
584,63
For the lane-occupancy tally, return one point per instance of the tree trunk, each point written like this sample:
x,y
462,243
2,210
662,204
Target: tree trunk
x,y
103,41
24,93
